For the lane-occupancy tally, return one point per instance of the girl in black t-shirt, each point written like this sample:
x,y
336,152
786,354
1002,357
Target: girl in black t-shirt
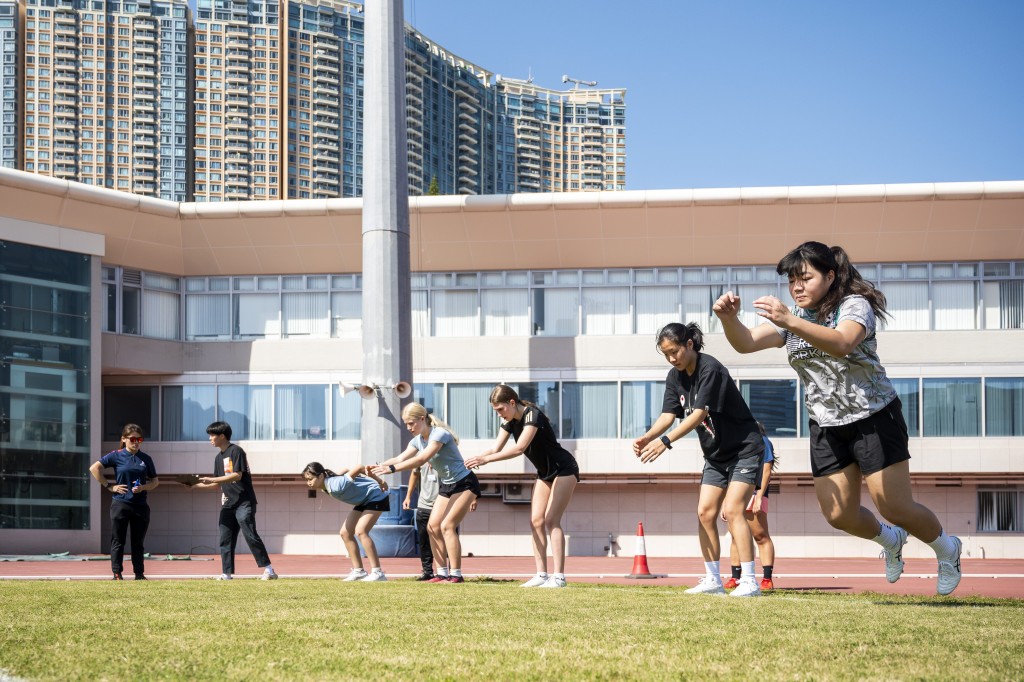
x,y
700,392
557,476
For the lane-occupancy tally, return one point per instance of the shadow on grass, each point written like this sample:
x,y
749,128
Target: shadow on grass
x,y
938,602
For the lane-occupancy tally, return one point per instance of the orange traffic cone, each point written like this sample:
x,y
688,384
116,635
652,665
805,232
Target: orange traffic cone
x,y
640,569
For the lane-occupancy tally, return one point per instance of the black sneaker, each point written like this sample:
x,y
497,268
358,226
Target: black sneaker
x,y
117,576
424,576
141,577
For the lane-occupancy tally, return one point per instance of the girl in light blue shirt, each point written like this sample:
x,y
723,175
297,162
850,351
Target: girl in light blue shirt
x,y
368,495
435,442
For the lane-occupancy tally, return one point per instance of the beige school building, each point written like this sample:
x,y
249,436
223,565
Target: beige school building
x,y
120,308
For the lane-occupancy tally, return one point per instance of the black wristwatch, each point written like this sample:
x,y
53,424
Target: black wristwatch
x,y
667,442
392,467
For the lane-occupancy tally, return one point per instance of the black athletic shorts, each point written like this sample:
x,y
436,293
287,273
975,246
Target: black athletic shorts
x,y
469,482
380,505
742,469
873,443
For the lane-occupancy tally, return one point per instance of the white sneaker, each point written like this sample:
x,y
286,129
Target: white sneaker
x,y
949,571
553,582
707,585
535,581
747,588
356,574
894,559
375,577
223,576
268,575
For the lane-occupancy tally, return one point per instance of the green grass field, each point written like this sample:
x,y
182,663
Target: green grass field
x,y
492,630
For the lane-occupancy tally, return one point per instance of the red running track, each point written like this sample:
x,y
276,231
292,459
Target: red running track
x,y
982,577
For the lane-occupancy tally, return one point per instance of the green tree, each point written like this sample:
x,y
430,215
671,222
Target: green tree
x,y
434,190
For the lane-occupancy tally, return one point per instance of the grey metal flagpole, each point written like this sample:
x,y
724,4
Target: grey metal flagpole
x,y
387,317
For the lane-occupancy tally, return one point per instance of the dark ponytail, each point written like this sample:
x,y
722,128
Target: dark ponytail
x,y
314,469
847,279
680,333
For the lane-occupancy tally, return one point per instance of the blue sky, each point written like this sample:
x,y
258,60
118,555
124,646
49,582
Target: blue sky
x,y
743,94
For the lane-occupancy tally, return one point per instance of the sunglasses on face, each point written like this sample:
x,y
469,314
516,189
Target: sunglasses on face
x,y
134,439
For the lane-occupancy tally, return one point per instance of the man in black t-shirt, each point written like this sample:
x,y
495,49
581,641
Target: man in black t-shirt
x,y
238,502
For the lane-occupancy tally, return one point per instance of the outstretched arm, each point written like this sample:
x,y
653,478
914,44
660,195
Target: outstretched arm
x,y
499,452
742,338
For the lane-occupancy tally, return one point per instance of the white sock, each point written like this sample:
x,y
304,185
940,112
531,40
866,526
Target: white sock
x,y
712,570
457,571
945,548
268,569
886,536
747,570
377,569
560,576
542,574
443,572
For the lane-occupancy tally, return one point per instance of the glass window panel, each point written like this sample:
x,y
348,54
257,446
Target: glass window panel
x,y
347,314
304,314
618,276
952,407
641,406
293,283
967,270
543,394
589,410
348,411
668,276
506,312
131,305
245,284
593,276
430,396
129,405
267,283
420,314
317,282
656,307
1004,407
153,281
492,279
208,316
517,279
456,313
907,303
248,409
748,293
909,392
564,277
109,323
917,271
773,402
693,275
697,302
997,269
955,304
556,312
892,271
942,270
300,412
161,314
195,284
606,310
998,510
257,315
187,411
469,411
1004,304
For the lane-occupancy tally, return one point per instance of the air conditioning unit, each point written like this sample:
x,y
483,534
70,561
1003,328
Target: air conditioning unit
x,y
517,493
490,490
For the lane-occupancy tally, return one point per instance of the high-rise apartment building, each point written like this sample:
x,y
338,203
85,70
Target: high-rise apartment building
x,y
566,141
11,73
263,99
324,100
238,82
105,93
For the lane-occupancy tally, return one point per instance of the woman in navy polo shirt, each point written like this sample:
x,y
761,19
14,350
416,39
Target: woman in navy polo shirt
x,y
134,474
